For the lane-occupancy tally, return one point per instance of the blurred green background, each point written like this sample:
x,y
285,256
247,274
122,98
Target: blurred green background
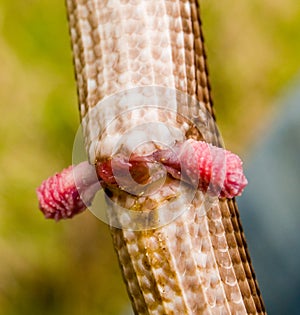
x,y
70,267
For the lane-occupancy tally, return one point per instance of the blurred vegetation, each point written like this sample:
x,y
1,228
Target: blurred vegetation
x,y
253,50
70,267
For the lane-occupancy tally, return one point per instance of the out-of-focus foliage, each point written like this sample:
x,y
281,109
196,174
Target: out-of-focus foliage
x,y
253,52
70,267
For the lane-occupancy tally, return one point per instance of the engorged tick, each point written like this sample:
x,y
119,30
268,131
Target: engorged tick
x,y
214,170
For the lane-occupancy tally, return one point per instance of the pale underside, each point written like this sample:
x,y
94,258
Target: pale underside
x,y
198,263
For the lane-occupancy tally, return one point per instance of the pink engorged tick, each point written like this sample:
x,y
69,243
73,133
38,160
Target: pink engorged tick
x,y
213,170
215,167
60,195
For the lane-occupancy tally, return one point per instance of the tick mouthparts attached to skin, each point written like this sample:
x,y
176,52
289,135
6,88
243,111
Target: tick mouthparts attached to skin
x,y
213,170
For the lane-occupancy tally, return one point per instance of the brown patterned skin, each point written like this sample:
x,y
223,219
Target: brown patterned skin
x,y
198,263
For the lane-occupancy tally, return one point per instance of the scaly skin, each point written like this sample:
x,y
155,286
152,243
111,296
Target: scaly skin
x,y
198,263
